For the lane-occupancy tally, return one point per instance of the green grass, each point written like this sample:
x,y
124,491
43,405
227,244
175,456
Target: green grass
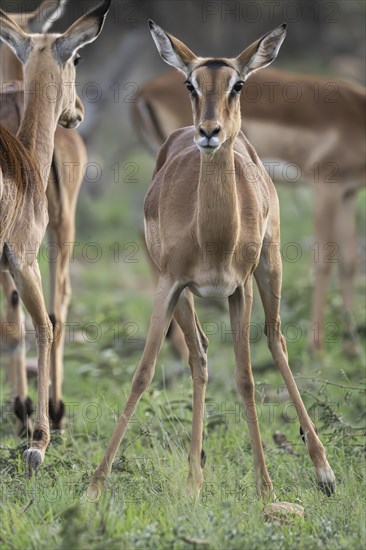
x,y
144,505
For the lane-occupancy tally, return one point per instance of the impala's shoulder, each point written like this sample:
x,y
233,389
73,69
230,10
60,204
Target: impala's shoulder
x,y
178,141
245,149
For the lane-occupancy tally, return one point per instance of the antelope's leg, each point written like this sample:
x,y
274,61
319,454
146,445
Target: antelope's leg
x,y
61,237
28,281
269,279
197,344
240,305
346,239
14,337
174,335
325,210
166,296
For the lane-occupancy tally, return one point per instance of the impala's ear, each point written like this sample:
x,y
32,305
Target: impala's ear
x,y
14,37
262,52
45,15
172,50
82,32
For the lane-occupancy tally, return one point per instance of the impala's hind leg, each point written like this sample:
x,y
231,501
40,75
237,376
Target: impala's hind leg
x,y
14,339
269,279
62,237
240,304
346,240
326,206
197,345
166,296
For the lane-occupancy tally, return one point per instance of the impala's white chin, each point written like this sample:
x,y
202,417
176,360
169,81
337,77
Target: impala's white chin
x,y
207,146
208,149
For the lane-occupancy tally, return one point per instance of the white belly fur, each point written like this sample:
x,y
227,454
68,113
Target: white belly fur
x,y
220,291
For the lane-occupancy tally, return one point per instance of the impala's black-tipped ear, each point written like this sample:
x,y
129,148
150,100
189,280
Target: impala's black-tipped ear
x,y
262,52
45,15
172,50
14,37
84,31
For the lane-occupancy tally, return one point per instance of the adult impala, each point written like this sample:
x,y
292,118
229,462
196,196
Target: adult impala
x,y
25,163
65,179
316,124
211,222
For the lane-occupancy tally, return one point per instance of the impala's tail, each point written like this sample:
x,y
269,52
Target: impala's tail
x,y
147,125
19,180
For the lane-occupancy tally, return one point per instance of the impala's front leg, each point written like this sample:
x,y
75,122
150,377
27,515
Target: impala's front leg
x,y
174,335
240,304
166,296
197,345
269,279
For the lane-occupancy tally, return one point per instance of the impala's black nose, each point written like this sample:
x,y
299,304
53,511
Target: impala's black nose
x,y
209,134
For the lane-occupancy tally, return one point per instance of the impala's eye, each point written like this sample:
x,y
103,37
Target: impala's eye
x,y
237,87
191,89
77,60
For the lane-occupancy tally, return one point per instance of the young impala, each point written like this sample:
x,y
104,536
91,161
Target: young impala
x,y
49,67
321,132
211,223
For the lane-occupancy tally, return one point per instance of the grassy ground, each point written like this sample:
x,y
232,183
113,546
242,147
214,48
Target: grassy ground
x,y
144,505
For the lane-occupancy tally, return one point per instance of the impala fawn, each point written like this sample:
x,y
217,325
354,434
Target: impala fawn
x,y
211,224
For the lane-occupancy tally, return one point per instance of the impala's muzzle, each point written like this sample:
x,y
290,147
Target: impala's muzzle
x,y
208,137
72,117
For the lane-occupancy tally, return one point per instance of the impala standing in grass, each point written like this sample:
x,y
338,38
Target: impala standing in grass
x,y
25,162
211,223
63,188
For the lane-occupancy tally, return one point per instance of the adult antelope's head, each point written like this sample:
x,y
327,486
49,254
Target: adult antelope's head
x,y
215,84
50,59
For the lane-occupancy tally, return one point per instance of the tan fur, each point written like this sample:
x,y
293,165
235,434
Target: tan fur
x,y
27,189
211,222
325,128
63,188
47,59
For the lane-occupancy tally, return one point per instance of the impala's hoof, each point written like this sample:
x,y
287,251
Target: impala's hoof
x,y
94,491
193,489
33,458
95,488
265,490
326,480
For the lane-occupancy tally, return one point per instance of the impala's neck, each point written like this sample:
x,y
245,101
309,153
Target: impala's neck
x,y
41,115
11,68
217,208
